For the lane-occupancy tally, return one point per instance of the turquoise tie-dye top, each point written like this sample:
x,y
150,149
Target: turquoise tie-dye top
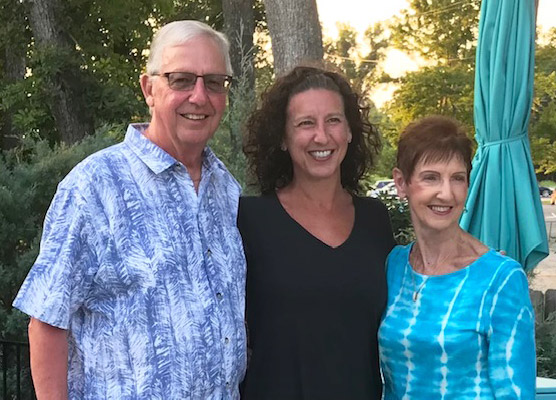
x,y
467,335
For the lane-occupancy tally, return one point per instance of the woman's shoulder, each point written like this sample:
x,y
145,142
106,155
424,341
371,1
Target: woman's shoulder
x,y
371,206
370,202
255,207
499,261
500,268
399,254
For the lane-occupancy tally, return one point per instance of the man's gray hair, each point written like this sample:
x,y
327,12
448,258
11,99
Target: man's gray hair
x,y
177,33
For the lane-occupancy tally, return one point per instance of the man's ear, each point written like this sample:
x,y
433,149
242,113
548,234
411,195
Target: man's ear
x,y
400,182
147,89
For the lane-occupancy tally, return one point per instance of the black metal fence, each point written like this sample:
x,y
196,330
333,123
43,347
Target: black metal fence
x,y
16,373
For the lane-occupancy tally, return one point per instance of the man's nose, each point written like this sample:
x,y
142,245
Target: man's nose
x,y
199,93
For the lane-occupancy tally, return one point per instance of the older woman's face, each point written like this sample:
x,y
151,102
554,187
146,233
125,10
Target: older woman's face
x,y
436,194
317,134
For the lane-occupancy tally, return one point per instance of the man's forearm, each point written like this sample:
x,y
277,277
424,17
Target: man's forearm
x,y
49,360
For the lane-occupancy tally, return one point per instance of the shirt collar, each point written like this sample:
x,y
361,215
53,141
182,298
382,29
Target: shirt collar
x,y
158,160
153,156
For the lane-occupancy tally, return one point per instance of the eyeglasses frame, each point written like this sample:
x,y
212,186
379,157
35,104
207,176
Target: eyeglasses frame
x,y
228,78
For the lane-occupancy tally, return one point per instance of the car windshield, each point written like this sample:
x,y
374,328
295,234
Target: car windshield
x,y
380,184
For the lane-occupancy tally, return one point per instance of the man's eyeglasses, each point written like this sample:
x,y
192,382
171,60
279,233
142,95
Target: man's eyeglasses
x,y
215,83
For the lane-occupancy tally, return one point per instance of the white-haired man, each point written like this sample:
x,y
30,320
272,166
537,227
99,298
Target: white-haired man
x,y
138,290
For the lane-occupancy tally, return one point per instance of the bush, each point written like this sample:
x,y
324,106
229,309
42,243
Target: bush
x,y
400,218
29,176
546,347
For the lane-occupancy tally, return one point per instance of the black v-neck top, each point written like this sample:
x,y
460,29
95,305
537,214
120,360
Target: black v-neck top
x,y
313,311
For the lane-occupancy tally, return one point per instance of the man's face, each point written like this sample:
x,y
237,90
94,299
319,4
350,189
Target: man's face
x,y
189,118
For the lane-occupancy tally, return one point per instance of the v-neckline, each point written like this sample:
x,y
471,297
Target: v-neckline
x,y
308,233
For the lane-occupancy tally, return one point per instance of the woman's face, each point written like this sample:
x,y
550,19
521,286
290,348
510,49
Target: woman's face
x,y
436,194
317,134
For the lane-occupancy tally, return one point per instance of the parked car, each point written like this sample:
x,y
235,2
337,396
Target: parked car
x,y
545,191
384,187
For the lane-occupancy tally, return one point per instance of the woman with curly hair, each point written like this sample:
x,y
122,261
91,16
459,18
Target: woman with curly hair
x,y
315,251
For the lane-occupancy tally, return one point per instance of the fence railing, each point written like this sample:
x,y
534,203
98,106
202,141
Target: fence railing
x,y
551,229
16,373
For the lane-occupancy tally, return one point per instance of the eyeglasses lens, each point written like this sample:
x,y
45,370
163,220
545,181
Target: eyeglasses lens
x,y
215,83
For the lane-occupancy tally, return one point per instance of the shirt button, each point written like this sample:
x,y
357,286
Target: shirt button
x,y
219,296
226,340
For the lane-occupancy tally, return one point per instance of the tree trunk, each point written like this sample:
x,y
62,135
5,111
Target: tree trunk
x,y
295,33
239,26
14,63
72,118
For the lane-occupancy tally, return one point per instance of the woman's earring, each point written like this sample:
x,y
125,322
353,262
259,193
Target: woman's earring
x,y
283,147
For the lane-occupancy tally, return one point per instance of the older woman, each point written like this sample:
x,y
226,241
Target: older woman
x,y
459,322
315,251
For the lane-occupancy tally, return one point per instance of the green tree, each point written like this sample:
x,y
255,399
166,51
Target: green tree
x,y
29,175
358,60
542,130
106,42
443,32
444,90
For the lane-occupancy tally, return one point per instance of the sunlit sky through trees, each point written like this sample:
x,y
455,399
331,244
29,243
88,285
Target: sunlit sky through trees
x,y
361,14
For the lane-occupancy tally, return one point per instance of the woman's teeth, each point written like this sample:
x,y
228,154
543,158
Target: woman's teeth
x,y
321,153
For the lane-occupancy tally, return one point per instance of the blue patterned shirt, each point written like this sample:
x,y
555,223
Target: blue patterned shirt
x,y
468,334
147,276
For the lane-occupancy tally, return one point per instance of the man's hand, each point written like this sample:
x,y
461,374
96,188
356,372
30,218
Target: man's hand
x,y
49,360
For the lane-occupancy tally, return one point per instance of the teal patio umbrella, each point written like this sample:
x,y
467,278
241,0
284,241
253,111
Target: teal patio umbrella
x,y
503,207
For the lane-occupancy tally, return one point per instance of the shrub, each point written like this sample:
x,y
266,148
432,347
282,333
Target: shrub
x,y
546,347
400,218
29,176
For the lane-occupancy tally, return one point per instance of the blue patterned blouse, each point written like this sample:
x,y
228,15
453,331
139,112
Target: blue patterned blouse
x,y
467,335
147,276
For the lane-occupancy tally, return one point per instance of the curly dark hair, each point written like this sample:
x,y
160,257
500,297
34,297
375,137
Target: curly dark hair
x,y
266,129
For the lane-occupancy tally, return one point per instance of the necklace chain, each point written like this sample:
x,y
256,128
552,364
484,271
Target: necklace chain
x,y
417,290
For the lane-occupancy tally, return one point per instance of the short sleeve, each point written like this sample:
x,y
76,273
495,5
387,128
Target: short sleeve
x,y
511,354
58,282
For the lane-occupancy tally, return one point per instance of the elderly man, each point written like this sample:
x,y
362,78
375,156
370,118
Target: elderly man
x,y
138,290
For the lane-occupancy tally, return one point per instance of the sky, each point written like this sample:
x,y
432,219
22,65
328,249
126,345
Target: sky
x,y
363,13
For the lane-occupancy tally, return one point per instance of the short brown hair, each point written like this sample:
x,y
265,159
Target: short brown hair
x,y
432,139
266,129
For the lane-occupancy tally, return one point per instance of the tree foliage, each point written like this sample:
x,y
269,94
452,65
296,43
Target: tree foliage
x,y
108,43
443,90
358,59
442,30
29,176
543,117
